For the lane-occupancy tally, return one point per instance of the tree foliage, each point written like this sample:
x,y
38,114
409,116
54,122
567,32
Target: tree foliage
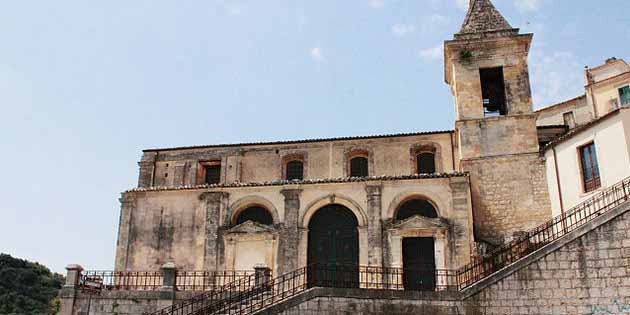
x,y
27,287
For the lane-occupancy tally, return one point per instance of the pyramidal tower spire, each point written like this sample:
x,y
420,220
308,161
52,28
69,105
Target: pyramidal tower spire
x,y
482,17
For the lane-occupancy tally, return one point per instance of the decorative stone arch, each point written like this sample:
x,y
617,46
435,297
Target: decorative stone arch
x,y
352,152
312,207
429,147
439,205
250,201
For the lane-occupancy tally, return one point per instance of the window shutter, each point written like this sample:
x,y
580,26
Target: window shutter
x,y
624,95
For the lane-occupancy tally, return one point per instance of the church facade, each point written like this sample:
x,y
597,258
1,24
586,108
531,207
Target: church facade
x,y
414,201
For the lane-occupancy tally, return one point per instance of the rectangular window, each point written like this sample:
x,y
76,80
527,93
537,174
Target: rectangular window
x,y
590,167
624,95
493,92
569,119
211,172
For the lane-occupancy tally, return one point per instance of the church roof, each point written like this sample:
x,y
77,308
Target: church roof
x,y
302,182
483,17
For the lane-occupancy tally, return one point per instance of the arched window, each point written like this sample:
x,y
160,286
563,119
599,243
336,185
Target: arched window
x,y
256,214
295,170
359,166
425,163
416,207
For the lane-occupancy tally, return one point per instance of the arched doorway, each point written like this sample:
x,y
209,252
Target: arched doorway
x,y
333,247
419,272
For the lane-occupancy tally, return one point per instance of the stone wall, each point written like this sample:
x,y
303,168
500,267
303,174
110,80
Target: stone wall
x,y
349,301
75,302
195,228
388,155
590,274
509,194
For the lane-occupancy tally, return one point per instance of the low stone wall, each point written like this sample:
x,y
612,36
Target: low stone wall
x,y
363,301
76,302
584,273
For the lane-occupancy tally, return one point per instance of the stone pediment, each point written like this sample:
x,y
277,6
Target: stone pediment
x,y
419,222
251,227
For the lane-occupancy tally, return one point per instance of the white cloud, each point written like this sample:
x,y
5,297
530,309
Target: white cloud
x,y
431,54
316,54
403,29
234,10
555,77
377,4
527,5
434,22
462,4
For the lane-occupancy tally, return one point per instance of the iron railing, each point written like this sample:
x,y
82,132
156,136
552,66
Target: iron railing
x,y
207,280
209,301
95,280
267,293
544,234
120,280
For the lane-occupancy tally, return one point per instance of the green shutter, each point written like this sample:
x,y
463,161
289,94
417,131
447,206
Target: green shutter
x,y
624,95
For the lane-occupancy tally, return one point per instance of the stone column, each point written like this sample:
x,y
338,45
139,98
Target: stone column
x,y
147,169
73,275
169,277
68,292
289,235
215,204
127,208
374,228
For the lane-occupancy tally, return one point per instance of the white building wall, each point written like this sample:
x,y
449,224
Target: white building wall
x,y
611,137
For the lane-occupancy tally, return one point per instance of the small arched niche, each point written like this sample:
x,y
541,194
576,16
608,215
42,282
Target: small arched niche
x,y
416,206
256,214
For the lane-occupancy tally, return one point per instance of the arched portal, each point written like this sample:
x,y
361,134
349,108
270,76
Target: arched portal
x,y
418,252
333,247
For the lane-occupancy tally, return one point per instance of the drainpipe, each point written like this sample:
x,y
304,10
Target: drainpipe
x,y
555,162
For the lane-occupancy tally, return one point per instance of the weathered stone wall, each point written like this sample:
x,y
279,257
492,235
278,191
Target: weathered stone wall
x,y
553,115
352,301
509,195
392,155
117,302
194,228
589,275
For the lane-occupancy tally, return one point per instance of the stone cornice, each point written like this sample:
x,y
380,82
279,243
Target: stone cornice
x,y
296,183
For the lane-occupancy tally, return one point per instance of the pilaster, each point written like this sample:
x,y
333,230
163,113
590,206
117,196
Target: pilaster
x,y
289,234
147,169
374,228
125,222
215,204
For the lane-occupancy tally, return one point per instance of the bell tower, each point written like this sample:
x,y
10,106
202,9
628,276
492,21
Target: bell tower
x,y
485,66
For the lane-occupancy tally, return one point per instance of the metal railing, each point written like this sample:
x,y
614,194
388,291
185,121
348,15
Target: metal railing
x,y
120,280
207,280
99,280
544,234
209,301
273,291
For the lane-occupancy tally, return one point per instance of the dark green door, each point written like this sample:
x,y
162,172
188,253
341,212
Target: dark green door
x,y
333,248
419,264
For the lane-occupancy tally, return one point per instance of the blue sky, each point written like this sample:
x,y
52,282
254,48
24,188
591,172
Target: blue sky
x,y
86,85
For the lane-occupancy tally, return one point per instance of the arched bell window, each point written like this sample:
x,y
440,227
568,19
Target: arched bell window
x,y
425,163
256,214
359,166
419,207
295,170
